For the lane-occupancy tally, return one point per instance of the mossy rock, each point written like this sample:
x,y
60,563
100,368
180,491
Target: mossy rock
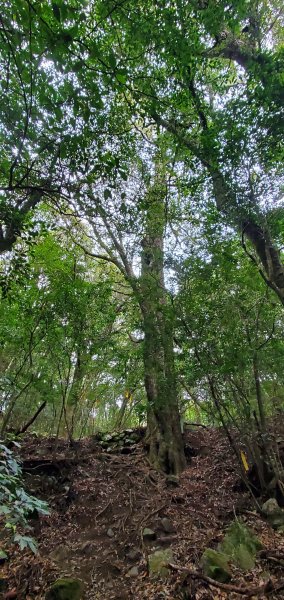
x,y
216,565
65,589
149,534
241,545
243,558
277,521
157,562
128,441
107,437
274,514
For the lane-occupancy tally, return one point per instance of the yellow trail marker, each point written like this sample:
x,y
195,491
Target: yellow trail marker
x,y
244,461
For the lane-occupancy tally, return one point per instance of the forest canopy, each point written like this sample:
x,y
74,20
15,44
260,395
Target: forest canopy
x,y
142,220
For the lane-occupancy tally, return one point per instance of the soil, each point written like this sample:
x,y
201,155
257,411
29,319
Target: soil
x,y
100,502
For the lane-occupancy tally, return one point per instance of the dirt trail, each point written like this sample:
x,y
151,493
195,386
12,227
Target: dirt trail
x,y
101,502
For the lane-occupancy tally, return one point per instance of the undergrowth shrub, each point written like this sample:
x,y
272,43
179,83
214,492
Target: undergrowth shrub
x,y
16,505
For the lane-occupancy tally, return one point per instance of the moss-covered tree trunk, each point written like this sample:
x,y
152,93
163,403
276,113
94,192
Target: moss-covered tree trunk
x,y
164,431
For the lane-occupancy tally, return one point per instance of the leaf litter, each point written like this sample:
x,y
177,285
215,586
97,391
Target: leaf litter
x,y
100,502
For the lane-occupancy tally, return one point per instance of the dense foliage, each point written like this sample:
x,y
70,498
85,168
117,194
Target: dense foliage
x,y
141,215
16,505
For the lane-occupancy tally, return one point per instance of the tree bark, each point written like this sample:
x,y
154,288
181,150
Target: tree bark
x,y
164,432
267,255
262,65
75,393
164,436
11,406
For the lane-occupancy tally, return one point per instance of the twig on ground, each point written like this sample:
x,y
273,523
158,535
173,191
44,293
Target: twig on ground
x,y
101,512
154,512
265,553
267,587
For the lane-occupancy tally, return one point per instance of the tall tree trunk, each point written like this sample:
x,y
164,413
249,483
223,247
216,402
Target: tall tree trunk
x,y
11,406
164,431
75,392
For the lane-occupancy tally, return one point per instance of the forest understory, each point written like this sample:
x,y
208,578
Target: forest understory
x,y
101,501
141,284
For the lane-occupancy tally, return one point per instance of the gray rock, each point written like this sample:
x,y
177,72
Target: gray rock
x,y
134,554
133,572
110,533
149,534
167,525
274,514
270,507
157,562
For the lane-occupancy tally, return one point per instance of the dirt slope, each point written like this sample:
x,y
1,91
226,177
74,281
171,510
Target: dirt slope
x,y
100,504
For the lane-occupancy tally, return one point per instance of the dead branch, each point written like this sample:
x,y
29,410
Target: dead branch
x,y
265,588
24,428
154,512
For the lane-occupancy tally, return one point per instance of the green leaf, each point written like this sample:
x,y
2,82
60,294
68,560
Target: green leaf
x,y
121,77
107,193
123,175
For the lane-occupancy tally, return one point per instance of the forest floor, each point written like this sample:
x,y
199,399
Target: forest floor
x,y
101,501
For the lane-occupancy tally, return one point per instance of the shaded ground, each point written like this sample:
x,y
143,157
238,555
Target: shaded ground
x,y
101,502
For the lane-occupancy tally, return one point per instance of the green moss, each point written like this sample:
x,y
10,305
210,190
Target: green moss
x,y
215,565
243,558
157,562
65,589
241,545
